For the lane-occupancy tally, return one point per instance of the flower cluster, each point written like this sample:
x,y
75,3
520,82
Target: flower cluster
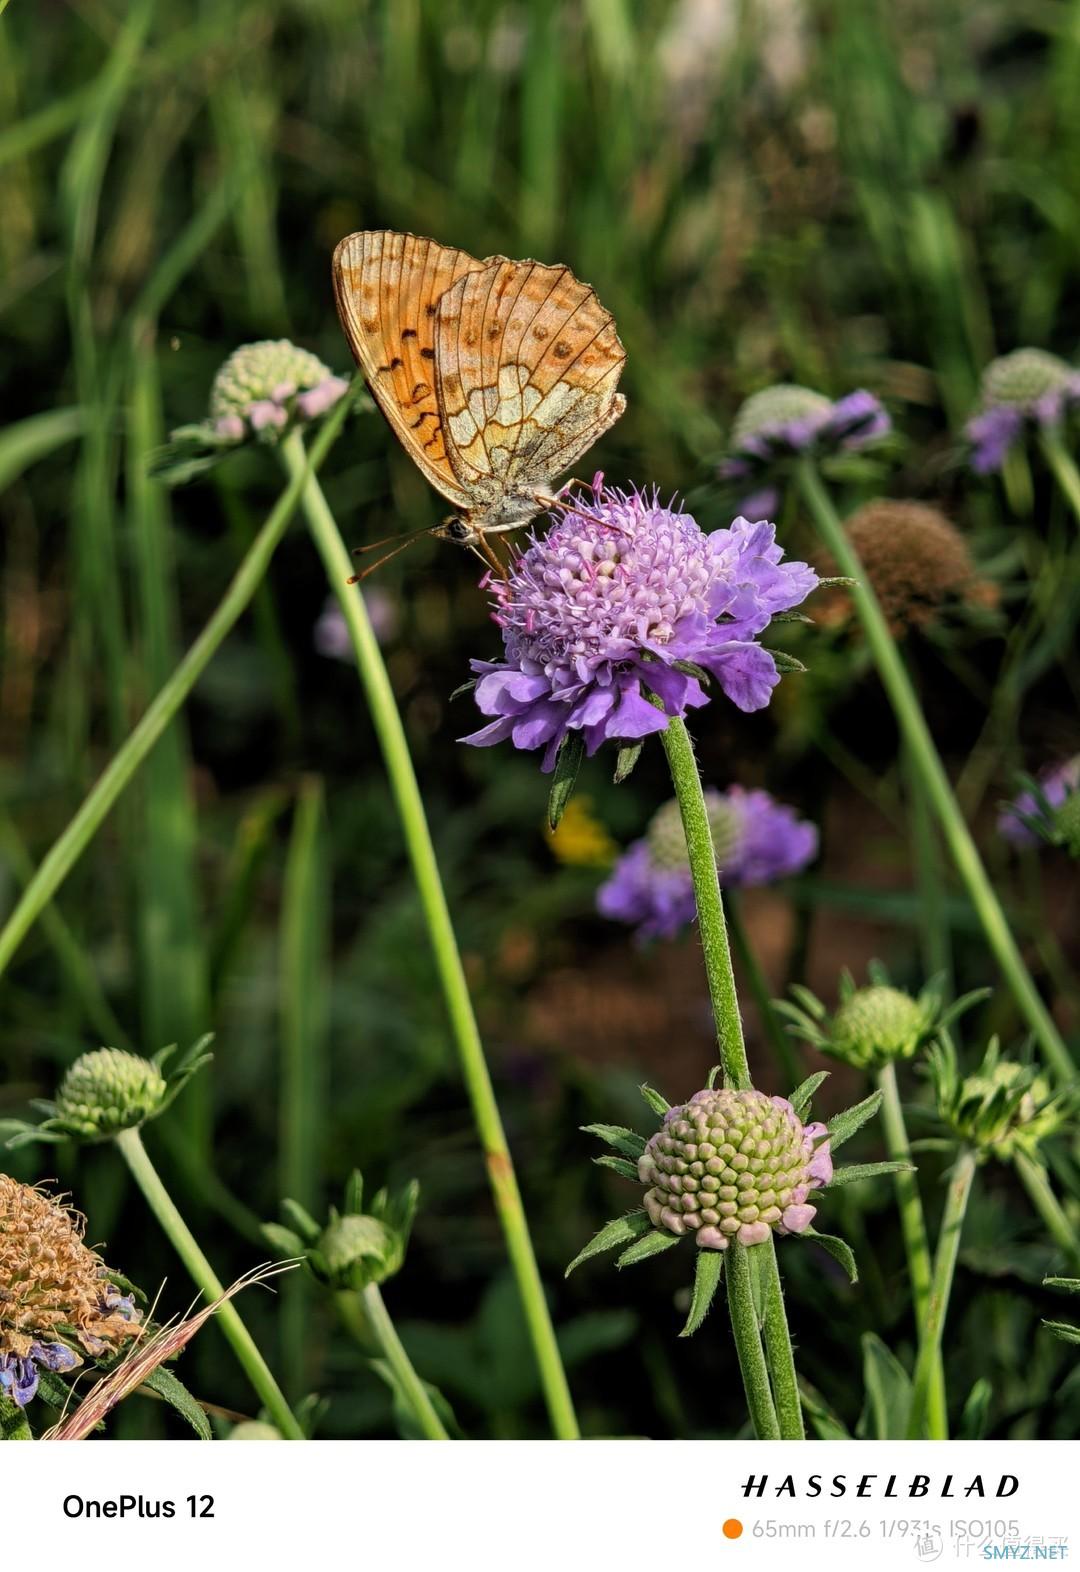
x,y
1048,809
757,840
1028,389
262,386
917,562
57,1296
1003,1108
734,1165
611,620
785,421
110,1090
355,1248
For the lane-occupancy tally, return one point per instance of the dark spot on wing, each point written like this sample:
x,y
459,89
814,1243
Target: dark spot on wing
x,y
407,333
428,354
430,309
562,350
539,332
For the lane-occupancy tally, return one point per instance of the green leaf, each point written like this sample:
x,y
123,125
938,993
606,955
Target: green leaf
x,y
567,765
828,1425
1071,1285
652,1244
707,1274
853,1172
13,1422
888,1392
626,758
839,1249
283,1241
658,1104
976,1412
176,1394
690,668
626,1141
463,687
844,1125
1063,1329
24,442
618,1165
800,1097
784,661
621,1230
409,1427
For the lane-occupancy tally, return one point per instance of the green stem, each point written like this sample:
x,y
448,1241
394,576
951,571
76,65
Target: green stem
x,y
399,768
927,762
409,1383
1036,1182
783,1049
729,1036
948,1247
66,851
744,1325
710,903
916,1242
1064,469
186,1246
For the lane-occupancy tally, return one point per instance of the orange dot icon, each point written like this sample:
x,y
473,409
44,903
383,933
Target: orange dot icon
x,y
732,1528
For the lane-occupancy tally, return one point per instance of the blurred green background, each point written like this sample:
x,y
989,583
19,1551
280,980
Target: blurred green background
x,y
842,194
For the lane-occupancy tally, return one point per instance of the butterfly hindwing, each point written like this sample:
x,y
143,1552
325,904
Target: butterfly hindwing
x,y
527,364
387,287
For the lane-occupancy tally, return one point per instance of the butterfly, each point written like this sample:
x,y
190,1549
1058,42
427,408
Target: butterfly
x,y
496,376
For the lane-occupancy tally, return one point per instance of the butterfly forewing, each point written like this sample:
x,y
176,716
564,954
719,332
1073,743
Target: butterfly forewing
x,y
527,363
388,287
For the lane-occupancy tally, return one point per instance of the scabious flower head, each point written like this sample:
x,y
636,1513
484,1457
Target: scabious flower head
x,y
786,420
331,632
109,1090
874,1025
1049,811
1003,1108
261,386
757,841
734,1165
917,563
1025,389
612,604
56,1296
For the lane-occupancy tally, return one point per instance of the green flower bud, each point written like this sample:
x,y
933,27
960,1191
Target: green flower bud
x,y
107,1091
783,405
254,1430
1066,824
1002,1109
1023,377
355,1248
875,1025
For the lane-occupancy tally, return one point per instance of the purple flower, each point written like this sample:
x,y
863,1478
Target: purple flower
x,y
1056,784
757,841
786,420
856,419
1027,389
331,632
609,606
19,1374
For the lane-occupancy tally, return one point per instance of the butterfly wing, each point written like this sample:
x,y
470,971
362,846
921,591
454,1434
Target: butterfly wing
x,y
527,363
387,287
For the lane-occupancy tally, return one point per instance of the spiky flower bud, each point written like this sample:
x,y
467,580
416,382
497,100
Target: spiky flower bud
x,y
54,1292
1067,824
1023,377
874,1025
355,1248
734,1165
109,1090
1003,1109
254,390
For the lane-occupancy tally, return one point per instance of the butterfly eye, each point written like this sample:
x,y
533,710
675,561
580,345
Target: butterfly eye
x,y
457,530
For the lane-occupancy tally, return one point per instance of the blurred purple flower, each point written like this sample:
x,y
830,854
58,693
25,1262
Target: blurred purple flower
x,y
331,633
609,605
757,841
1056,784
1027,389
786,420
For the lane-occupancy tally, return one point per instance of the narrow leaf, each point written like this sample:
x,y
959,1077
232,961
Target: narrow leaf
x,y
658,1104
707,1273
621,1230
568,763
784,661
976,1411
839,1249
652,1244
844,1125
628,1142
1071,1285
618,1165
888,1392
829,1426
626,758
800,1097
1063,1329
856,1171
172,1389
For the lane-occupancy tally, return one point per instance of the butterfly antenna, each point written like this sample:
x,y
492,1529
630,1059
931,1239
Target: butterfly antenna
x,y
373,545
410,540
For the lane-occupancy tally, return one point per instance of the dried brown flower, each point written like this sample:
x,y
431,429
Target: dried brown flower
x,y
917,562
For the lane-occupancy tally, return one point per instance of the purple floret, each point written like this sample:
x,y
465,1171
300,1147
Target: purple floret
x,y
599,614
1055,784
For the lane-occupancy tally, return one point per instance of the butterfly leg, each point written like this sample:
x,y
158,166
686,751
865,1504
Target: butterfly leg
x,y
487,553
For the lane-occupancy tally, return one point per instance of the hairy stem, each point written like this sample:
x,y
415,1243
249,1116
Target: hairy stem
x,y
409,1383
948,1247
1036,1182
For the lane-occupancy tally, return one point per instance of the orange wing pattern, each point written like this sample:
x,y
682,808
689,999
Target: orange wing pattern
x,y
387,287
527,363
